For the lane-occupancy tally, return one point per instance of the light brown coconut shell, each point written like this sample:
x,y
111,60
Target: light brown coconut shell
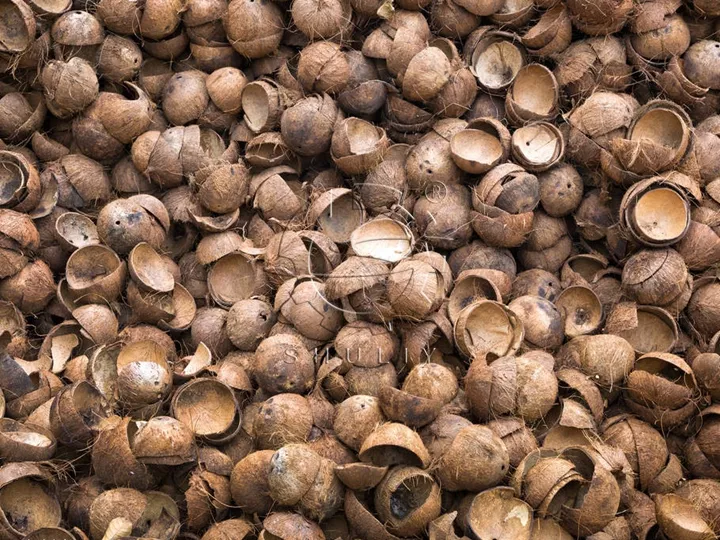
x,y
286,525
583,311
274,374
430,160
248,322
76,412
360,476
283,419
532,96
25,442
656,215
307,126
661,389
269,150
496,513
338,213
443,215
249,482
263,102
394,444
476,459
148,270
538,146
25,114
552,33
522,386
384,239
658,139
357,146
76,231
415,289
113,458
422,496
647,328
69,86
473,285
207,406
357,417
18,30
233,278
678,518
488,327
542,321
485,144
495,59
28,503
589,354
322,67
654,277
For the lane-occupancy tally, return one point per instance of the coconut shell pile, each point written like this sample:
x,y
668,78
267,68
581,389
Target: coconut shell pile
x,y
359,269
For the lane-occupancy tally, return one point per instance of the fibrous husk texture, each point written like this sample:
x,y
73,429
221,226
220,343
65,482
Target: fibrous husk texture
x,y
359,269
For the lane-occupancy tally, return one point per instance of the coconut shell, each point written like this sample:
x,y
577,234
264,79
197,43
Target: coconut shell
x,y
283,419
585,352
69,86
28,501
660,287
423,507
113,458
308,125
393,444
25,442
249,482
490,323
286,525
496,513
495,59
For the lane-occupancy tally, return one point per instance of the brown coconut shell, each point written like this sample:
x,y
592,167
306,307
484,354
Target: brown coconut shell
x,y
585,352
485,144
422,506
538,146
647,328
307,126
495,59
69,86
668,274
19,29
76,413
533,95
283,419
357,146
488,327
394,444
496,513
29,503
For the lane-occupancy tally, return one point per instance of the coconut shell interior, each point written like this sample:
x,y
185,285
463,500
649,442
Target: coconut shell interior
x,y
11,180
231,279
28,505
661,215
341,218
537,144
206,406
498,64
534,90
582,309
488,329
476,146
652,333
383,239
